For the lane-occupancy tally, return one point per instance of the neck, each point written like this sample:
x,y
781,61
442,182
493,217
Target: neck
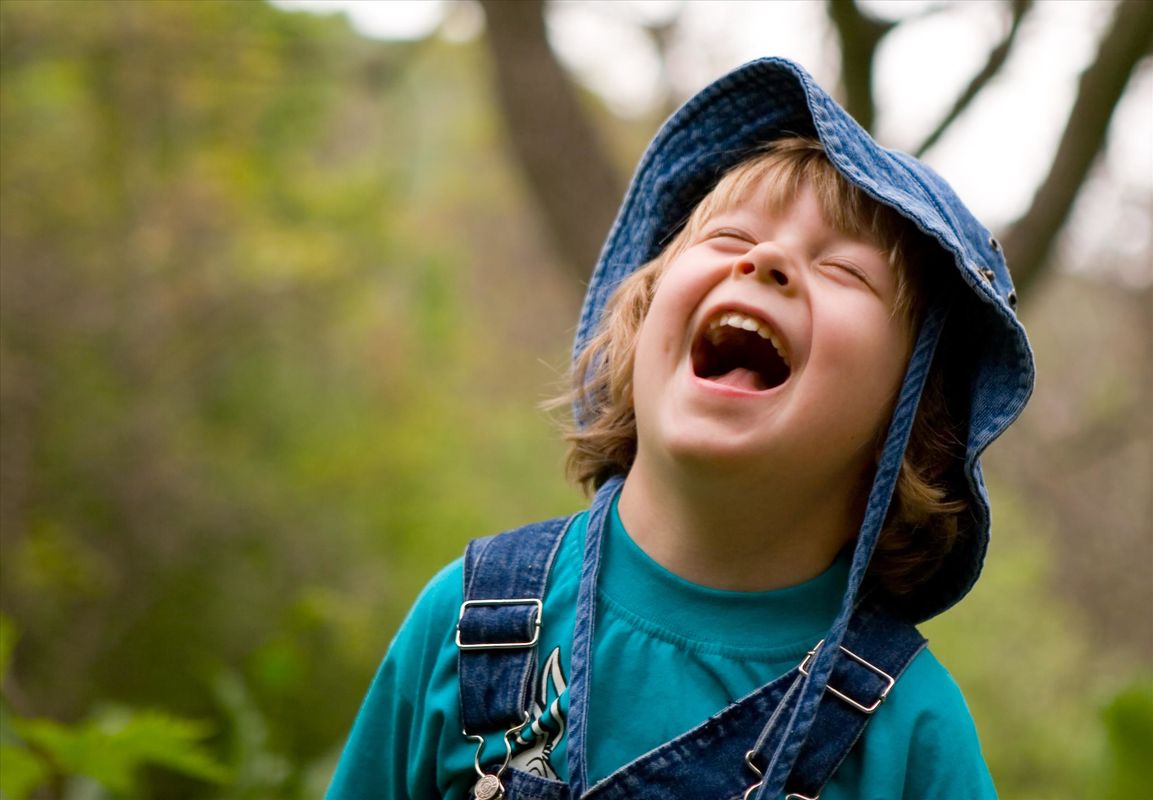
x,y
731,532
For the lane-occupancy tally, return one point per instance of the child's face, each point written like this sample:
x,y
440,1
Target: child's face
x,y
771,345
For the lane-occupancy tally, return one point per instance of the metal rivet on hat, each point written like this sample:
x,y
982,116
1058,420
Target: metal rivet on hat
x,y
988,275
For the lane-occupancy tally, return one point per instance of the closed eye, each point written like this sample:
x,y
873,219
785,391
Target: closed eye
x,y
731,233
853,271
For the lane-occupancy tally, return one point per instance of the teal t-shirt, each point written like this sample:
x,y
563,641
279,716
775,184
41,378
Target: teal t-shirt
x,y
668,654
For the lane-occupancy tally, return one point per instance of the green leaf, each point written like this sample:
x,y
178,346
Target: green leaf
x,y
22,772
112,748
259,770
165,740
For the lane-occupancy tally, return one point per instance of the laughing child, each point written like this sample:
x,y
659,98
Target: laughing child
x,y
793,349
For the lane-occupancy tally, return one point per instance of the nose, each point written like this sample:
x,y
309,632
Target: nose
x,y
767,262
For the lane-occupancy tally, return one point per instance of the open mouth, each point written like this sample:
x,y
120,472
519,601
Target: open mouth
x,y
741,351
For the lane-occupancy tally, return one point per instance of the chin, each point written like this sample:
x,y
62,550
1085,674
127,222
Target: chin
x,y
702,451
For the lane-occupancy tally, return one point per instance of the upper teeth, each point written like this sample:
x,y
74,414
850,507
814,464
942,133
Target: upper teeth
x,y
735,319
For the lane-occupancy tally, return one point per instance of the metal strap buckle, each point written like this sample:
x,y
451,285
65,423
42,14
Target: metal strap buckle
x,y
886,677
756,771
524,601
761,780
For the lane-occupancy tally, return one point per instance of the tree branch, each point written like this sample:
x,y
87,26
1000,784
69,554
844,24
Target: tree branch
x,y
997,58
569,174
859,34
1030,239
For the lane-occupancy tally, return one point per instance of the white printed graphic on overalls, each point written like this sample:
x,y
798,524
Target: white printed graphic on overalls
x,y
548,721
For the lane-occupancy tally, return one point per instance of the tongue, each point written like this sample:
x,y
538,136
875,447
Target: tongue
x,y
741,378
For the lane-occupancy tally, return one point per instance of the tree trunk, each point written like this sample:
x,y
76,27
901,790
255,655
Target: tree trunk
x,y
859,35
571,178
1030,239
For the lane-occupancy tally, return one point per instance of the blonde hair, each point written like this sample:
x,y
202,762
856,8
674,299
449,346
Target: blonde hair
x,y
922,524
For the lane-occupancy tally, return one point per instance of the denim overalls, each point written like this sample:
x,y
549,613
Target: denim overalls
x,y
790,735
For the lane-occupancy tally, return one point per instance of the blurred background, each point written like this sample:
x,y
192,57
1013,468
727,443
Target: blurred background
x,y
283,286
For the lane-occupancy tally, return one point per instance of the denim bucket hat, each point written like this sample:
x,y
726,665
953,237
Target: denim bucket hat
x,y
991,377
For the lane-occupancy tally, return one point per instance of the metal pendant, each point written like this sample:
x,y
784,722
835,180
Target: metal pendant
x,y
488,787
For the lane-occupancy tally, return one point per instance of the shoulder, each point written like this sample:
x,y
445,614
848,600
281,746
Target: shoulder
x,y
426,631
441,596
946,758
927,695
438,605
922,741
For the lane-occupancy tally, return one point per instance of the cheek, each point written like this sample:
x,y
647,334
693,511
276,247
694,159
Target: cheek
x,y
649,354
662,330
886,349
869,352
642,359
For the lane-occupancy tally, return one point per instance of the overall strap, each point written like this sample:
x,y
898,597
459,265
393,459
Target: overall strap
x,y
499,624
876,650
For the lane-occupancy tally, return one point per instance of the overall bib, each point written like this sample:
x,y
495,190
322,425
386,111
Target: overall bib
x,y
721,758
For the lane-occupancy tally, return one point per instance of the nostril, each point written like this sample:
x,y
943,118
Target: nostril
x,y
746,268
781,278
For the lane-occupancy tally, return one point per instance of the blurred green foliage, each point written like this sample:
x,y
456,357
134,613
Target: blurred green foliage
x,y
272,319
111,748
1031,675
239,317
1129,725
